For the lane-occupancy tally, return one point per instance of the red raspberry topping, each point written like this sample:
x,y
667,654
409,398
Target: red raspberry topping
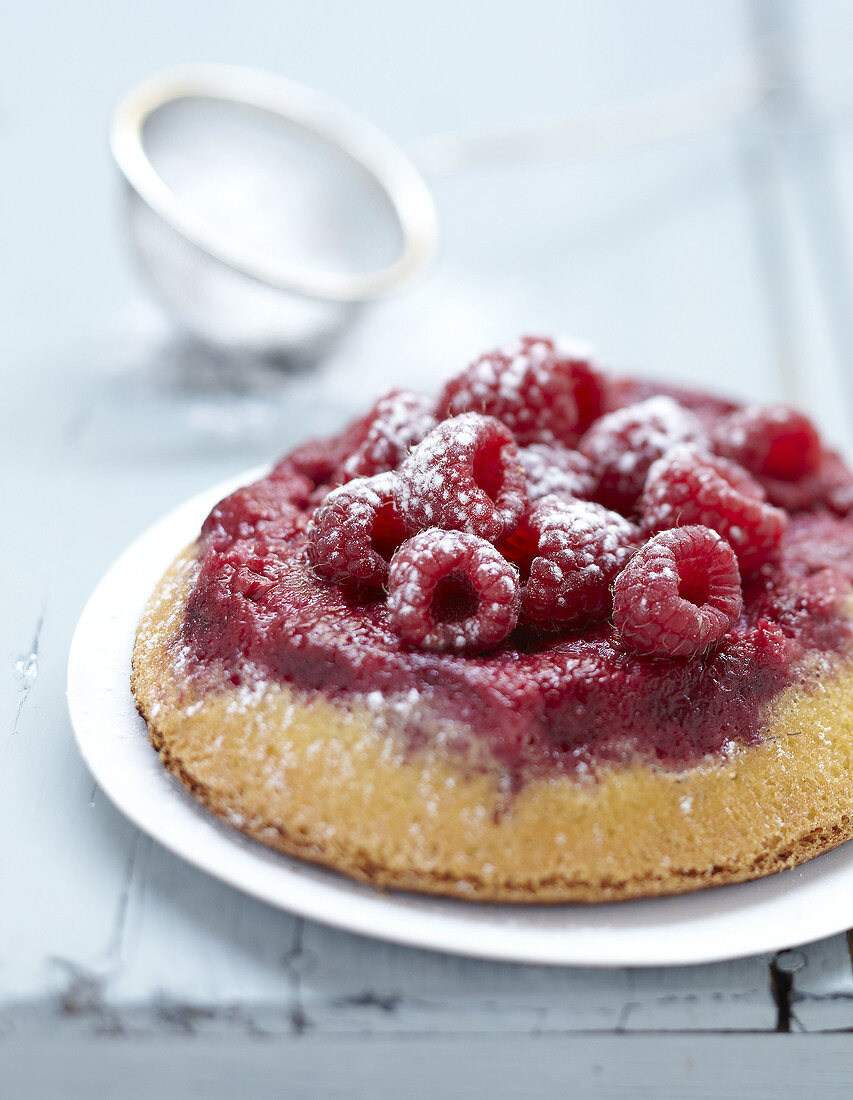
x,y
543,390
830,485
708,407
465,476
554,470
398,421
771,441
269,506
321,460
622,445
235,586
679,594
294,486
315,460
451,591
579,549
688,485
355,531
838,485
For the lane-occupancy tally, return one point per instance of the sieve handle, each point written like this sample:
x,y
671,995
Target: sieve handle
x,y
738,87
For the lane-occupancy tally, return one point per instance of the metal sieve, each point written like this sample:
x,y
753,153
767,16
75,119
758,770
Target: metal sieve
x,y
263,212
266,214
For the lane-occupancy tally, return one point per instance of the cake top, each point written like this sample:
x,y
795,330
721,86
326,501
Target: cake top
x,y
538,539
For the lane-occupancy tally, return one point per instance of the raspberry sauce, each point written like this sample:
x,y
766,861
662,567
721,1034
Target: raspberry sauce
x,y
541,703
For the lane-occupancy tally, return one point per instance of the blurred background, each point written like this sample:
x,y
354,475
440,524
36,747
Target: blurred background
x,y
721,259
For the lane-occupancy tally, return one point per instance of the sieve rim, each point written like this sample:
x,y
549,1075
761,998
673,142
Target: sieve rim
x,y
366,145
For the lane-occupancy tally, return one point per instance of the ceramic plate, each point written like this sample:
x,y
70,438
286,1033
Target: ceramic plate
x,y
794,907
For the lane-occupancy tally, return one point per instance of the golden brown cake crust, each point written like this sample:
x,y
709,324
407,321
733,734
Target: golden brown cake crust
x,y
324,782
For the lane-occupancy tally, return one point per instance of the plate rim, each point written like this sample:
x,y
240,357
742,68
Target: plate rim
x,y
413,920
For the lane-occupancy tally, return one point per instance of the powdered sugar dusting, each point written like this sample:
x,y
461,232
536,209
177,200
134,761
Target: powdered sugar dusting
x,y
532,386
486,591
438,483
555,470
622,445
400,420
581,547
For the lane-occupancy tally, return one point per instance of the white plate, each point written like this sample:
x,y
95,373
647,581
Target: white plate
x,y
794,907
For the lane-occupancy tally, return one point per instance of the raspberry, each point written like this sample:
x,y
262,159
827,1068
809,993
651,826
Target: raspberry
x,y
576,551
465,476
267,505
554,470
688,485
838,481
544,391
830,485
679,594
708,407
321,460
355,531
234,587
451,591
623,444
398,421
296,487
770,441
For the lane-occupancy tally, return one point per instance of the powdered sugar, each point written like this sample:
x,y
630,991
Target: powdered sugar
x,y
464,476
355,530
541,394
452,591
556,471
400,420
580,549
622,445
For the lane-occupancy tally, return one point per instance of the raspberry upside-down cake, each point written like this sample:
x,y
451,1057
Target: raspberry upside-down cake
x,y
554,636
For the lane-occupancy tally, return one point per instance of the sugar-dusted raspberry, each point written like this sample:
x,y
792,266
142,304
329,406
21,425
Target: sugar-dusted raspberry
x,y
829,486
544,390
772,441
708,407
689,485
253,508
398,421
838,485
464,476
453,592
622,445
355,531
679,595
575,551
553,470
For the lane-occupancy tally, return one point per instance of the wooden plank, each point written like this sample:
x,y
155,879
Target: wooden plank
x,y
193,944
823,985
356,984
420,1068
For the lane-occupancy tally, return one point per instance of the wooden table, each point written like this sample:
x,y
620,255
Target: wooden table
x,y
723,259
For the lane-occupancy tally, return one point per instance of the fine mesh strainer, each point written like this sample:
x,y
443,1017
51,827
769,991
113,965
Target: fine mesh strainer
x,y
265,214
